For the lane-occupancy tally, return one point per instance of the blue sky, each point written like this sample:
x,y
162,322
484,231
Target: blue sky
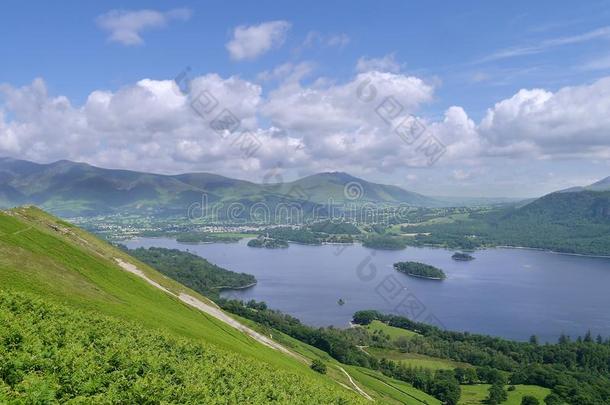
x,y
449,63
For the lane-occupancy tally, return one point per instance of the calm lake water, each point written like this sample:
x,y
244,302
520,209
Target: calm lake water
x,y
512,293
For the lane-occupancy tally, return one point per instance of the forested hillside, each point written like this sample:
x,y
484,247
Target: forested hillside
x,y
570,222
192,271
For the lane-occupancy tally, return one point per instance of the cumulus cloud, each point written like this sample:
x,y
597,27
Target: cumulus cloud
x,y
149,125
574,121
126,27
152,125
337,107
249,42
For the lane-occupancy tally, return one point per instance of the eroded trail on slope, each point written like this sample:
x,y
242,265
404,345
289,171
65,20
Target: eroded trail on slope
x,y
358,389
213,310
210,310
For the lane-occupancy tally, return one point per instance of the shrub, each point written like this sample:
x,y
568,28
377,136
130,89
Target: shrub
x,y
318,366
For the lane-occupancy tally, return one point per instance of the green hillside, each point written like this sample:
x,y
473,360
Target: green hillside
x,y
55,354
568,221
71,270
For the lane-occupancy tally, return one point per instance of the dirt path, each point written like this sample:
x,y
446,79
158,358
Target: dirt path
x,y
21,231
211,310
363,348
360,390
219,314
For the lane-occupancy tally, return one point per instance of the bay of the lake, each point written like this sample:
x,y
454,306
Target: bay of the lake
x,y
513,293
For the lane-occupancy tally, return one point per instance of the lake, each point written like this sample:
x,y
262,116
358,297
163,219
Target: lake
x,y
512,293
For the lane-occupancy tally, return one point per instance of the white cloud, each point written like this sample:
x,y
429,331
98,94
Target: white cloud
x,y
249,42
337,107
542,46
150,125
8,139
339,40
459,133
331,40
386,63
126,27
574,121
287,72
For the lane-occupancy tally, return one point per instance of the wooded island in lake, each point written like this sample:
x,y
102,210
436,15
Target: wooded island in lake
x,y
463,257
269,243
422,270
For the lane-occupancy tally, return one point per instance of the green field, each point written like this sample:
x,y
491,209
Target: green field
x,y
476,394
391,331
415,360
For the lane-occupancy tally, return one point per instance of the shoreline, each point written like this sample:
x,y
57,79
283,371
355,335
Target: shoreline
x,y
243,287
408,246
425,277
420,276
548,251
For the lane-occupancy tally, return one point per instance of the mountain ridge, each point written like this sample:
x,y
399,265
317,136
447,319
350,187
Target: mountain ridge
x,y
72,189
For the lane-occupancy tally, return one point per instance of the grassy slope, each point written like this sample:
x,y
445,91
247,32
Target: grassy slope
x,y
415,360
476,394
410,359
52,259
392,331
58,354
388,389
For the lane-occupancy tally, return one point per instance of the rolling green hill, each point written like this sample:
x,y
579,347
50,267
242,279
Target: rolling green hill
x,y
74,189
83,289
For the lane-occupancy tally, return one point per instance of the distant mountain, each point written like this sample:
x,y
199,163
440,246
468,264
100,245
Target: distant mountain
x,y
602,185
345,188
73,189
